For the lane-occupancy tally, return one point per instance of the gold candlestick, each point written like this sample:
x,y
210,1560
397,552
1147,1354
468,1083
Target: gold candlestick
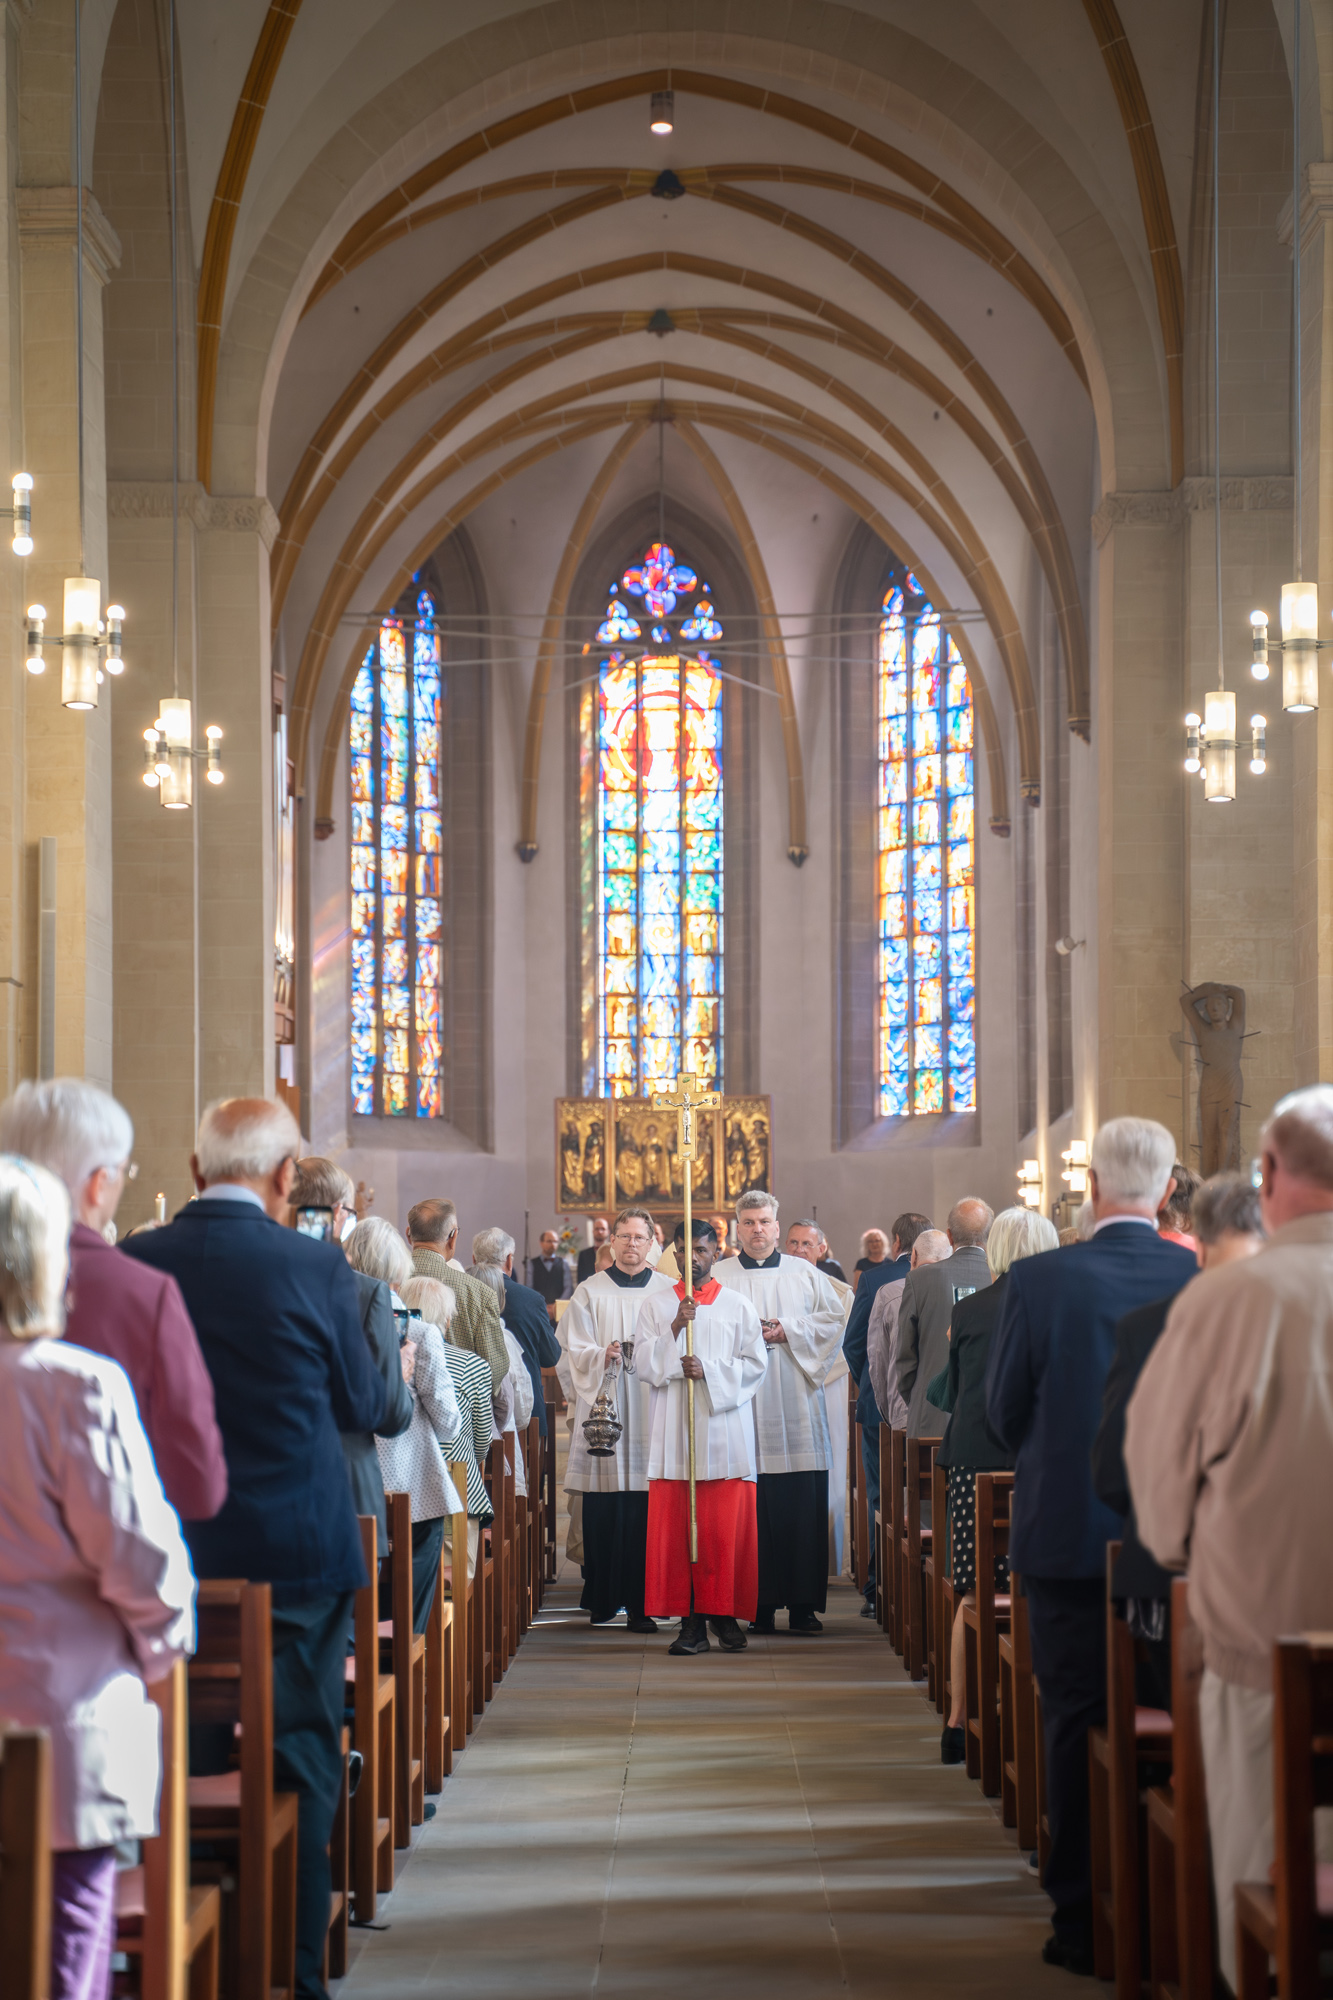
x,y
688,1099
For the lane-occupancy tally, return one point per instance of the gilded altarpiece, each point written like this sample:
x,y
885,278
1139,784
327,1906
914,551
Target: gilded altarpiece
x,y
615,1152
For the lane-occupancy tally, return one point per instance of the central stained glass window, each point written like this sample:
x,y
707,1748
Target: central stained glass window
x,y
397,841
656,784
927,895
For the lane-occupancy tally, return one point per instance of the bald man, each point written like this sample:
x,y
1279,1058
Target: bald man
x,y
926,1307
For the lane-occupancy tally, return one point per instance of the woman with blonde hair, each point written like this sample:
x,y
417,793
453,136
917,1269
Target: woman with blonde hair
x,y
96,1593
969,1447
473,1383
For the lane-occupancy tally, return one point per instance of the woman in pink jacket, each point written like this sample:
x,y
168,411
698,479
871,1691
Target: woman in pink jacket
x,y
96,1593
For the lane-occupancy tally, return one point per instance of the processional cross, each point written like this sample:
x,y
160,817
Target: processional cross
x,y
688,1099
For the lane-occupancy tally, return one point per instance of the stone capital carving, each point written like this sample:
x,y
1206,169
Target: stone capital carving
x,y
1316,203
1134,510
1263,493
49,218
235,513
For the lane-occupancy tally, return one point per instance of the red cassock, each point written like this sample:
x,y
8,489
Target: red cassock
x,y
726,1577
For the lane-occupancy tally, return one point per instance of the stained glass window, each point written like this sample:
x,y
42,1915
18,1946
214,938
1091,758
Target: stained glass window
x,y
927,873
654,803
397,855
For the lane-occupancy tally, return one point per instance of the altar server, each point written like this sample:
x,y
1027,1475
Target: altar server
x,y
727,1366
802,1325
601,1316
806,1239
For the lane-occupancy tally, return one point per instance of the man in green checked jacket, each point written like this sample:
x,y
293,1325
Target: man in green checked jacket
x,y
432,1232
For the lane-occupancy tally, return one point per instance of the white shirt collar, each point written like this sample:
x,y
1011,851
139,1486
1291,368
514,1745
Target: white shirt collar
x,y
232,1191
1146,1221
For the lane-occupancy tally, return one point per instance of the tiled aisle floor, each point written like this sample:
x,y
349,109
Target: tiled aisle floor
x,y
771,1823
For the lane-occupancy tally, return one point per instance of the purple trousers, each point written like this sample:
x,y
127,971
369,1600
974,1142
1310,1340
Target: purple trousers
x,y
83,1922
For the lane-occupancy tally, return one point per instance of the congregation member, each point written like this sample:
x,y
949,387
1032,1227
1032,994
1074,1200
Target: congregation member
x,y
1228,1225
829,1264
926,1308
932,1246
806,1239
512,1408
1174,1217
600,1317
415,1461
968,1446
96,1594
587,1260
434,1305
117,1307
728,1364
320,1185
888,1271
432,1237
802,1328
279,1325
550,1273
874,1250
522,1310
1045,1377
1229,1450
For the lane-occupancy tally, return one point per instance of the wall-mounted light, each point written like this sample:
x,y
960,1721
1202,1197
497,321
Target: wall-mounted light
x,y
1075,1175
662,113
1066,946
21,513
1029,1183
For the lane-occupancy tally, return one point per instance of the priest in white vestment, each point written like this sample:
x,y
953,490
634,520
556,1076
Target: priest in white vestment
x,y
802,1324
729,1362
806,1239
599,1319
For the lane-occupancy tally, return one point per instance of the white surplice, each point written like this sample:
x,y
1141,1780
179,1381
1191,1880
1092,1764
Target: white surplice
x,y
729,1341
599,1312
790,1421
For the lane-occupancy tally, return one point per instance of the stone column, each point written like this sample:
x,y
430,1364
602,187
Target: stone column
x,y
68,755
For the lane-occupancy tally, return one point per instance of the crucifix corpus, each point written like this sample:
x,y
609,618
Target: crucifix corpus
x,y
686,1100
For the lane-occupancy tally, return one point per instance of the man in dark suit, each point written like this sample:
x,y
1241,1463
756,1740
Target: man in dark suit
x,y
926,1308
279,1324
897,1265
523,1313
1227,1225
550,1273
1045,1378
587,1264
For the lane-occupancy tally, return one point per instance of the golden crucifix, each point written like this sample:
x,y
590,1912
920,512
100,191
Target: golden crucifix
x,y
687,1100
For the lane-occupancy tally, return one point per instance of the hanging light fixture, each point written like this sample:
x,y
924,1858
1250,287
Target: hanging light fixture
x,y
662,113
169,752
1211,741
1300,644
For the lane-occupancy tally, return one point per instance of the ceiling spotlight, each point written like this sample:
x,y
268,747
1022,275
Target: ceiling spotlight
x,y
662,113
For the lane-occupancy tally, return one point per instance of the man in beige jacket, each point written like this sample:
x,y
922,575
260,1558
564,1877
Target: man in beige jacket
x,y
1229,1450
432,1234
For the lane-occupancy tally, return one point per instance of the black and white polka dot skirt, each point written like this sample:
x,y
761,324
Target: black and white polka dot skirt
x,y
963,1533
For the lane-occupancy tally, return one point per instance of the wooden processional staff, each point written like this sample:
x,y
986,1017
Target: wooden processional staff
x,y
687,1100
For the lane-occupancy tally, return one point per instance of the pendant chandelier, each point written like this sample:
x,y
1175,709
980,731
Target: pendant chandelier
x,y
1211,739
169,752
1300,644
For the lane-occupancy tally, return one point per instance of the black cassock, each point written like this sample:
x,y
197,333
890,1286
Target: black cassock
x,y
615,1551
792,1513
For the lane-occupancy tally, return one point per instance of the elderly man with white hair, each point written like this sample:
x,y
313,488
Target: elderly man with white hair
x,y
1049,1359
802,1327
279,1323
1229,1450
522,1313
117,1307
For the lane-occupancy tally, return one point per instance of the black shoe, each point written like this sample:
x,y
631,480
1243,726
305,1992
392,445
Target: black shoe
x,y
803,1623
355,1763
953,1745
693,1637
1071,1957
729,1635
868,1608
763,1620
641,1624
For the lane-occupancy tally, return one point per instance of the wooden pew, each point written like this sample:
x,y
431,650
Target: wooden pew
x,y
1132,1736
983,1621
1018,1723
1181,1959
403,1654
439,1739
340,1871
455,1561
374,1701
883,1564
548,1492
897,1515
25,1862
939,1595
1291,1918
860,1498
508,1446
499,1476
231,1683
532,1458
918,1539
168,1930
